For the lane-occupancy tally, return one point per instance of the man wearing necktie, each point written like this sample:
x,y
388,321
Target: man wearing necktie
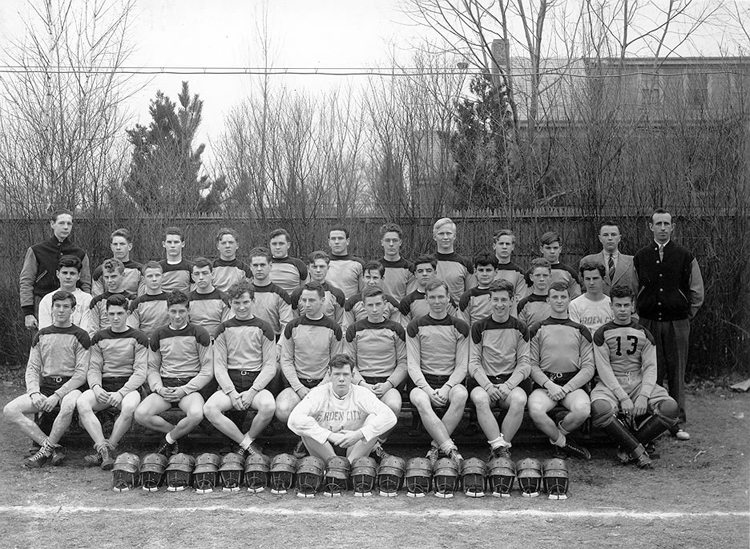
x,y
670,294
619,266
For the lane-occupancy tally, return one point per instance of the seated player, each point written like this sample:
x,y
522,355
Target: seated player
x,y
227,269
377,346
535,307
504,243
244,364
474,304
562,363
333,298
55,373
121,244
437,351
180,366
354,309
593,308
626,363
398,279
68,273
307,345
415,304
498,362
117,370
112,274
288,272
177,270
209,307
551,247
271,302
149,311
340,415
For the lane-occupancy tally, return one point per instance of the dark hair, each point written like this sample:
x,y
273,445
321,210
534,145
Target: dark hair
x,y
123,233
621,291
316,287
279,232
177,298
113,265
175,231
61,295
338,227
374,266
201,262
504,232
371,291
69,261
226,231
486,258
560,286
390,228
318,254
608,223
502,285
57,213
659,211
426,258
261,251
539,262
117,300
341,360
592,265
550,237
151,265
236,290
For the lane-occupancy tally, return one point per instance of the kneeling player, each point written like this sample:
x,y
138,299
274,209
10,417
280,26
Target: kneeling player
x,y
56,369
180,365
437,351
244,364
562,362
339,414
499,361
117,369
626,364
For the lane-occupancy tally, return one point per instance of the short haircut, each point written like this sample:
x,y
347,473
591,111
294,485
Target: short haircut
x,y
504,232
318,254
113,265
338,227
435,284
502,285
374,266
486,258
279,232
550,237
560,286
175,231
371,291
261,251
621,291
441,222
177,298
69,261
57,213
341,360
390,228
316,287
117,300
425,259
608,223
151,265
236,290
659,211
123,233
201,262
592,265
61,295
539,262
226,231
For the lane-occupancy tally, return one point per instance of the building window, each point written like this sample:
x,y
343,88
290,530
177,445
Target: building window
x,y
697,92
650,96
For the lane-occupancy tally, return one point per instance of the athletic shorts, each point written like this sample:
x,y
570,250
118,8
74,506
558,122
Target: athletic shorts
x,y
113,384
243,379
309,383
374,380
601,392
50,384
205,392
558,378
495,380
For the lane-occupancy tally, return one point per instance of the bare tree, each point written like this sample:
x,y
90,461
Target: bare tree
x,y
61,107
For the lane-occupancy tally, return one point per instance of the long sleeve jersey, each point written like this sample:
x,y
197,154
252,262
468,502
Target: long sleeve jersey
x,y
119,354
499,349
345,272
184,353
456,271
322,412
273,305
209,310
354,310
58,352
98,319
245,345
307,347
516,276
132,280
81,315
289,273
226,273
177,276
378,349
625,357
148,312
475,304
398,279
333,302
437,347
533,308
567,274
414,306
561,346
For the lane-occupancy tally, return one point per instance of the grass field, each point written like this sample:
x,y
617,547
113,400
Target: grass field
x,y
698,496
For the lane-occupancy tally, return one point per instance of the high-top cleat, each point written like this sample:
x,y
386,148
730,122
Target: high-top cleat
x,y
107,454
168,450
573,450
433,454
499,452
300,450
37,460
58,455
457,458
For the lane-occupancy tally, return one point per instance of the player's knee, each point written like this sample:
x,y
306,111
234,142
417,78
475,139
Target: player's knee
x,y
458,395
194,414
668,411
480,397
142,414
266,405
517,399
581,408
537,408
11,412
602,413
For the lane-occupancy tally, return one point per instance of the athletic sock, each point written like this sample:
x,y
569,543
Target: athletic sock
x,y
561,429
447,446
561,441
246,442
169,439
499,442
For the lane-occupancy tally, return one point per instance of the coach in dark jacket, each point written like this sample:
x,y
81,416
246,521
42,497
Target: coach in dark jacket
x,y
669,296
39,272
